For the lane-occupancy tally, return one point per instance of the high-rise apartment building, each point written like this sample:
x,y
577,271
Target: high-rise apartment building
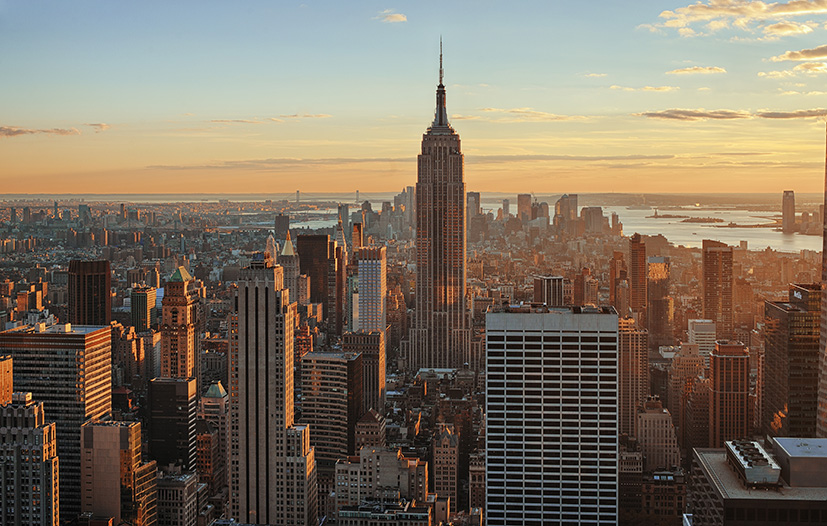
x,y
281,225
445,458
178,329
617,273
550,290
68,368
143,308
729,401
273,467
638,281
788,212
686,366
524,207
114,481
90,301
717,289
172,406
28,452
372,348
441,335
318,260
331,404
660,308
473,204
704,334
656,436
791,359
372,271
633,373
551,416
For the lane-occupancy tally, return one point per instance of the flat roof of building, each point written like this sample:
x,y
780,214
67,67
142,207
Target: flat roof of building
x,y
803,447
56,328
726,482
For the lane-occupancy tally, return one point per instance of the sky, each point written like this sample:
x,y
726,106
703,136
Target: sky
x,y
547,96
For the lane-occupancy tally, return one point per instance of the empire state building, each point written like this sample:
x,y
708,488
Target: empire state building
x,y
440,337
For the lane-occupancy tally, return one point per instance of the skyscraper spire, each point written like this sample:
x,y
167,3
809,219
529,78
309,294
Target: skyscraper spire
x,y
440,60
441,114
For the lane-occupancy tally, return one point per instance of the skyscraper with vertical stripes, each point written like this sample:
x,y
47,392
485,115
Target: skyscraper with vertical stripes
x,y
272,464
441,335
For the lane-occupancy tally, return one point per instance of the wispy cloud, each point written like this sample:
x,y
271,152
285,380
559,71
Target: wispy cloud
x,y
645,88
786,28
697,70
306,116
807,68
275,164
596,75
278,162
280,118
390,17
817,53
694,115
702,114
798,114
99,126
13,131
808,93
529,115
238,121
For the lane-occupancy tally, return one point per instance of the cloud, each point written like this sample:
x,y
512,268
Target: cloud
x,y
529,115
389,17
786,28
306,116
792,92
818,53
99,126
645,88
275,164
807,68
694,115
238,121
697,70
742,14
798,114
13,131
280,118
596,75
702,114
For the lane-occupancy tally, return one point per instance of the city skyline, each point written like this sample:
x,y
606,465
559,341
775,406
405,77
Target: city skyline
x,y
661,97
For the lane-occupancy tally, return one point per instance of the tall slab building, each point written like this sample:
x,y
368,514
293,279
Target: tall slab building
x,y
441,335
273,467
717,290
68,368
821,423
551,416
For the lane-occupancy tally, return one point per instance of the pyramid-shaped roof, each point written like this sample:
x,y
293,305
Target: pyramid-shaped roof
x,y
216,390
180,274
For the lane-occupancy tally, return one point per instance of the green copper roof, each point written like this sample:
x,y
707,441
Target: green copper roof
x,y
180,274
216,390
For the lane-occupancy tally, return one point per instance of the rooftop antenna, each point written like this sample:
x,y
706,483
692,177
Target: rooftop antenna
x,y
440,59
